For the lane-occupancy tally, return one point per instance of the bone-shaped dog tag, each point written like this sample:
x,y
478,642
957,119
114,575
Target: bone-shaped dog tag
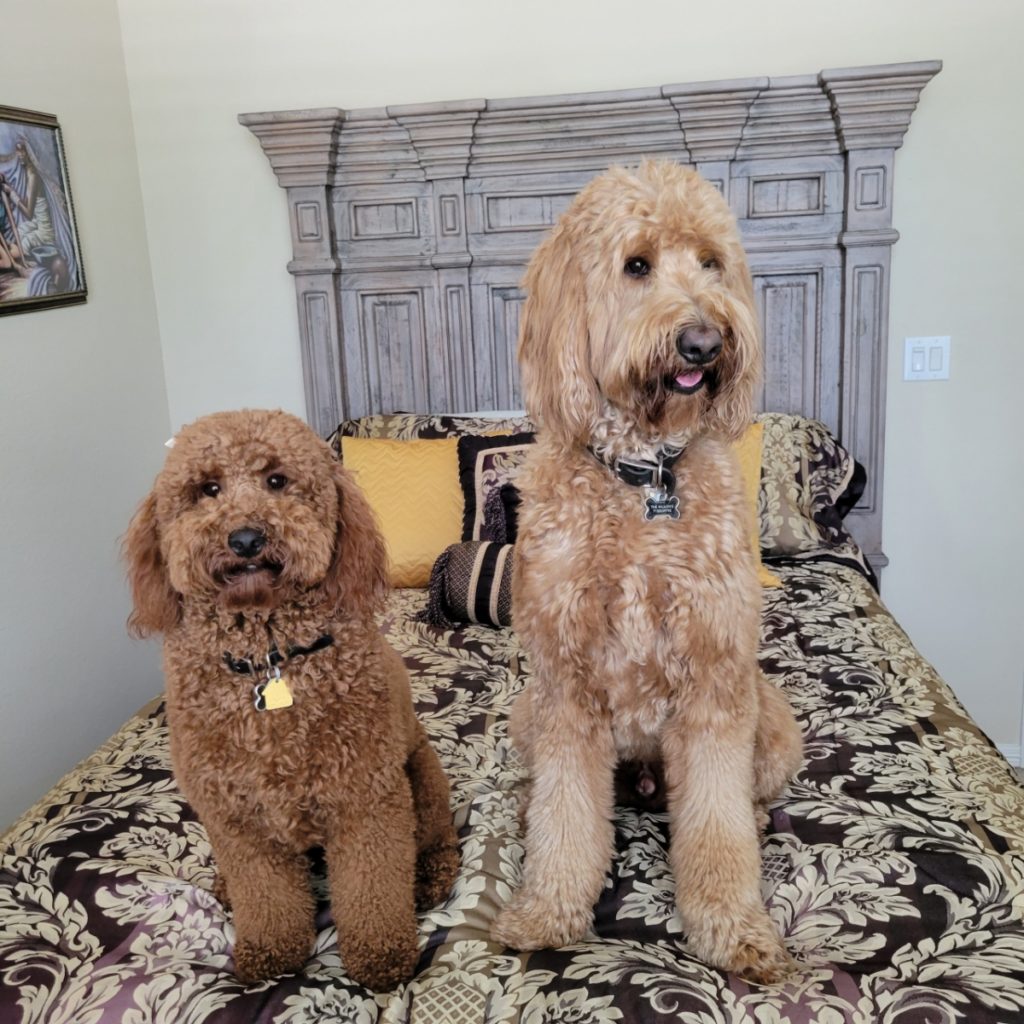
x,y
658,504
273,694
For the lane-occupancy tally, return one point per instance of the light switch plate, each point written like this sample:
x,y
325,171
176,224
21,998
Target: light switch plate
x,y
926,358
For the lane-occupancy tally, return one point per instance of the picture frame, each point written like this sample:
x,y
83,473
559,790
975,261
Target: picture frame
x,y
40,257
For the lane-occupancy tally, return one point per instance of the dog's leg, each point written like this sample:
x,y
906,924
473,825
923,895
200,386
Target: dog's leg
x,y
715,854
371,863
569,834
778,750
437,857
520,732
271,902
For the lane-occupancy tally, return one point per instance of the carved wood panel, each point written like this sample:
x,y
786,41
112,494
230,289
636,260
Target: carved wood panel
x,y
789,307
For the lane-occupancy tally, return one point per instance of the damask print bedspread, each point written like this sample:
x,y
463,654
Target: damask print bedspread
x,y
893,864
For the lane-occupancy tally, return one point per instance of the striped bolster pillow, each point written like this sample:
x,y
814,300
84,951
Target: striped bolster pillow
x,y
471,582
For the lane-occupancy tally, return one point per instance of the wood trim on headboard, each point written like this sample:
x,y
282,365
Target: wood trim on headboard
x,y
411,226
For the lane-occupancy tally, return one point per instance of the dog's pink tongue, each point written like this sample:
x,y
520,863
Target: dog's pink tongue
x,y
689,380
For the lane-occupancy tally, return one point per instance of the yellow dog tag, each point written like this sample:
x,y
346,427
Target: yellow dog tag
x,y
273,694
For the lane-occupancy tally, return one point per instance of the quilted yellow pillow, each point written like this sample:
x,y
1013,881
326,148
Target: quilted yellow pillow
x,y
748,451
413,487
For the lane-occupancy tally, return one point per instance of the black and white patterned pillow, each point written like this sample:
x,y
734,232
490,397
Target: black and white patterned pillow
x,y
486,465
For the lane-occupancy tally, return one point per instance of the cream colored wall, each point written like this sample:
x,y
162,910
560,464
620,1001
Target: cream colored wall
x,y
83,412
219,235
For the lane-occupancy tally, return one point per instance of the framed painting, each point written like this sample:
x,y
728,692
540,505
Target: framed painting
x,y
40,258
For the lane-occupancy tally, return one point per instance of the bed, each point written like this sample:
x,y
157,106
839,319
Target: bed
x,y
893,864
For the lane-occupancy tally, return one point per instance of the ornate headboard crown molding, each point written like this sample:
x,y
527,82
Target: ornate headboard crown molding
x,y
834,111
411,226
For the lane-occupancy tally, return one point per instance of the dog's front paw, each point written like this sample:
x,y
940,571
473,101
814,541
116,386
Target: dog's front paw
x,y
763,963
528,922
381,963
259,961
749,947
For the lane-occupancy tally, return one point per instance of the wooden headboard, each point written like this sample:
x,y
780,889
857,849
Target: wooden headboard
x,y
411,226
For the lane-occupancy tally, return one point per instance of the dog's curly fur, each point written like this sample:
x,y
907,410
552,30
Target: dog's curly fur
x,y
642,636
348,766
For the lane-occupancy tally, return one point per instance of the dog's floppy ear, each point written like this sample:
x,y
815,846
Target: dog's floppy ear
x,y
559,389
739,371
357,579
157,605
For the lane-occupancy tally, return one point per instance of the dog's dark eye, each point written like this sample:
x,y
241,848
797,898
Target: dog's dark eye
x,y
637,266
709,263
210,488
277,481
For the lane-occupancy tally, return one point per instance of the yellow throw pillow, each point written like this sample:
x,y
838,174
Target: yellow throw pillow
x,y
413,487
748,451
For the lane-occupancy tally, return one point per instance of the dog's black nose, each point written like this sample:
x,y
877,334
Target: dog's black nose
x,y
247,542
699,345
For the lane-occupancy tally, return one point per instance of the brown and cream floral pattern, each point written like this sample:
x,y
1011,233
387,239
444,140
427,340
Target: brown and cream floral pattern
x,y
893,864
408,426
808,482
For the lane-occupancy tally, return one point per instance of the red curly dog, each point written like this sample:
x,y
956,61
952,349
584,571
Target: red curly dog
x,y
257,556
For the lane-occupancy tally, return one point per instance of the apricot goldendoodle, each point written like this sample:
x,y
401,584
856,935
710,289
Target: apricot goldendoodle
x,y
291,719
635,587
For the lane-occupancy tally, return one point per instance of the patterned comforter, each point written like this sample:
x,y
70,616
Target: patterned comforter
x,y
893,864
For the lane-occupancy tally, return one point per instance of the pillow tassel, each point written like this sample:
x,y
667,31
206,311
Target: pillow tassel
x,y
435,613
495,527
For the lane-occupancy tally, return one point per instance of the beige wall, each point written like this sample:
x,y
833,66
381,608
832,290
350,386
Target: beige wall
x,y
83,412
219,235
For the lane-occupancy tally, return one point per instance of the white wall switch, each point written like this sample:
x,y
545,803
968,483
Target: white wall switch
x,y
926,358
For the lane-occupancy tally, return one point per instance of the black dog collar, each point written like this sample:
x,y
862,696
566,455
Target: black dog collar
x,y
247,667
655,473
